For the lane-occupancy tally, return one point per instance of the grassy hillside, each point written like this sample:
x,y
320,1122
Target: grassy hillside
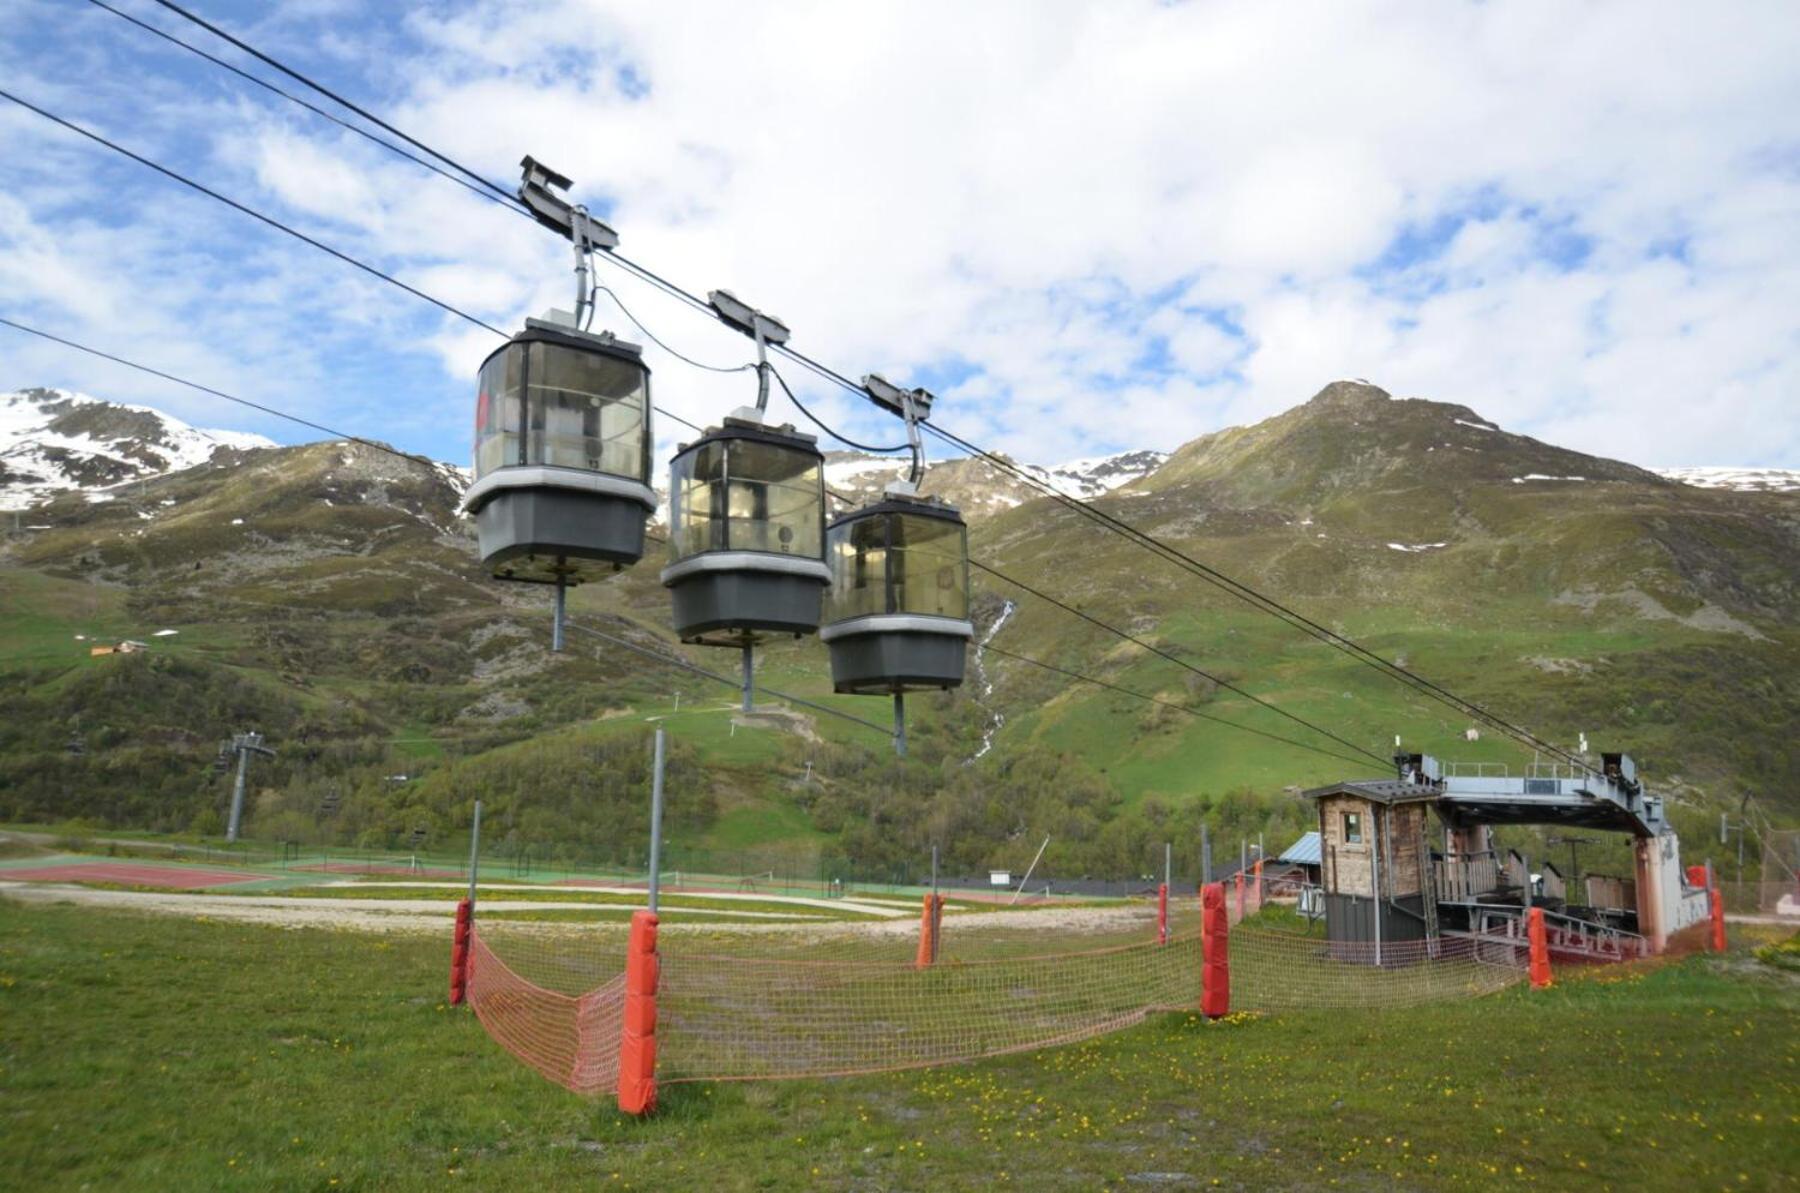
x,y
328,596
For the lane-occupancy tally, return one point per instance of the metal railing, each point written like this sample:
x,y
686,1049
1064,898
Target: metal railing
x,y
1476,770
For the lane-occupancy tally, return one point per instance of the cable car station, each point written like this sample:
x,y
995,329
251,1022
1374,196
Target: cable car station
x,y
1389,878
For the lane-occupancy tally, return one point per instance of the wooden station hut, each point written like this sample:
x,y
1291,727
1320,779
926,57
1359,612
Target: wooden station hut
x,y
1375,860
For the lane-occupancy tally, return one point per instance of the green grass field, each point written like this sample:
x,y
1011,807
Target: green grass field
x,y
182,1054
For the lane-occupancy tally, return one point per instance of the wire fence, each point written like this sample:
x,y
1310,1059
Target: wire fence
x,y
776,1001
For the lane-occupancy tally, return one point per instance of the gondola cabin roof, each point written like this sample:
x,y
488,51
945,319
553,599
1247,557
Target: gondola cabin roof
x,y
922,506
604,343
738,428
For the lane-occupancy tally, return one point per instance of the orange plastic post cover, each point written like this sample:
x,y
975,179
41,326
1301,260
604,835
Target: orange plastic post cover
x,y
1717,908
1162,914
1540,949
1240,895
459,954
928,919
1215,968
637,1041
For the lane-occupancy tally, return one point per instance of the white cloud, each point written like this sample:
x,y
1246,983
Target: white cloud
x,y
1049,190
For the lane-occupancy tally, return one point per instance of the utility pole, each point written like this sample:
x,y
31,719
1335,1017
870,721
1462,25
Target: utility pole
x,y
474,851
656,807
243,745
1726,828
1205,856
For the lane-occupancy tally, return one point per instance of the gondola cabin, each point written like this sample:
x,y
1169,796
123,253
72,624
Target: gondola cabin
x,y
746,533
562,455
898,605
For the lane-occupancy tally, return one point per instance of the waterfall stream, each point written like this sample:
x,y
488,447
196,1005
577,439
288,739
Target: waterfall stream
x,y
986,685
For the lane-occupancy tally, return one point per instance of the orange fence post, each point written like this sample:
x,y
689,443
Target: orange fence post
x,y
459,953
637,1043
1215,940
1540,949
1257,870
1240,896
931,919
1716,901
1162,914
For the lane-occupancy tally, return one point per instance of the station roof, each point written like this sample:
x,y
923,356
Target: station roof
x,y
1380,791
1304,852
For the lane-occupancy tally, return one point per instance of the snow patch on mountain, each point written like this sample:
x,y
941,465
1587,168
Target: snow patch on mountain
x,y
856,473
1097,475
55,441
1744,480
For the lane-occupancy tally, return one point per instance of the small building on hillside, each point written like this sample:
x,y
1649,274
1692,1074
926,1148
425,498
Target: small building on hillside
x,y
1374,856
1300,861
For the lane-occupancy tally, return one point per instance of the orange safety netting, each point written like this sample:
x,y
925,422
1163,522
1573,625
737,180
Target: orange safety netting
x,y
572,1039
766,1005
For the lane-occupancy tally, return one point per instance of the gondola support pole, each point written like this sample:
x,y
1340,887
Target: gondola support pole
x,y
900,724
562,613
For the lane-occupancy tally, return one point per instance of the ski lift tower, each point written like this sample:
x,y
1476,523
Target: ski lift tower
x,y
243,745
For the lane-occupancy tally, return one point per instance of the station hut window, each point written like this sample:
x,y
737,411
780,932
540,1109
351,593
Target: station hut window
x,y
1353,828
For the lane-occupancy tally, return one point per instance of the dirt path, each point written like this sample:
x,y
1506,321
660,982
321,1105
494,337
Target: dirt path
x,y
433,916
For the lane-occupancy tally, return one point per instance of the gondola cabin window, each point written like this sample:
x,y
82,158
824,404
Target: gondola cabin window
x,y
1353,828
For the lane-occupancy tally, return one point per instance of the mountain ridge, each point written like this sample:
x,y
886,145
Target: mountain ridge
x,y
331,592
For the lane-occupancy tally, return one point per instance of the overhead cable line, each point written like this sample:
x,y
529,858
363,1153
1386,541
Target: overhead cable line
x,y
1265,603
820,423
1179,662
335,98
684,665
1188,709
219,393
184,180
1254,598
277,224
313,108
658,341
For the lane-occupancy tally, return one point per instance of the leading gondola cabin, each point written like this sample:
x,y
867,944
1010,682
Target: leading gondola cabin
x,y
562,455
746,533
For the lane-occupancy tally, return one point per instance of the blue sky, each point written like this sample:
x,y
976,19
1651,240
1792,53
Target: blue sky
x,y
1088,226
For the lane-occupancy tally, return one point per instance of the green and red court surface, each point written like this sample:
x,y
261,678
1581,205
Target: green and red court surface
x,y
128,874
